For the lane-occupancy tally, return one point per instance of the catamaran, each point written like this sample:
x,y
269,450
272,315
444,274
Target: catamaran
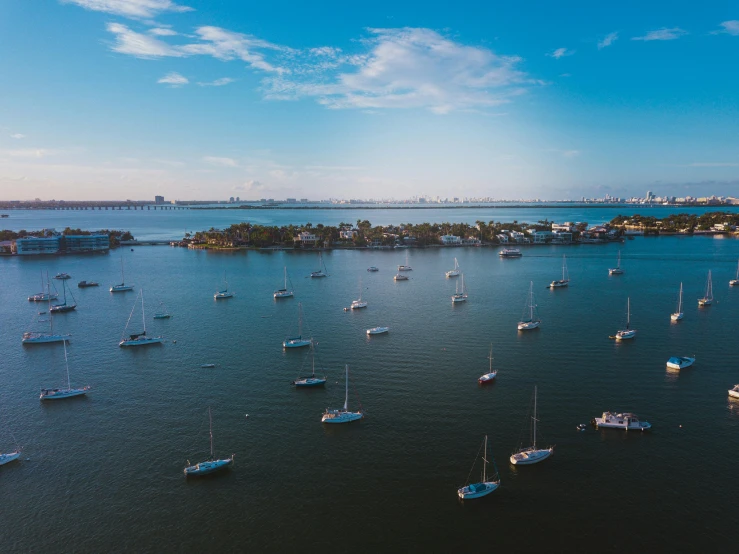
x,y
707,300
490,375
311,381
627,333
298,341
405,267
63,307
284,292
460,294
626,421
530,454
485,486
212,464
680,362
342,415
138,339
359,303
565,280
221,294
616,270
44,296
735,281
37,337
122,287
57,394
530,319
454,272
678,315
322,271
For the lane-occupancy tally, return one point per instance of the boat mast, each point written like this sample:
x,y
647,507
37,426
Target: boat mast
x,y
534,418
628,312
300,319
143,315
210,425
709,287
123,279
485,461
618,264
346,397
531,301
48,294
66,362
680,301
490,357
564,266
285,277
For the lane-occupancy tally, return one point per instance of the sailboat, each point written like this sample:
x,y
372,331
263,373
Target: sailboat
x,y
162,313
122,287
43,296
627,333
63,307
322,271
453,272
565,280
460,294
530,319
220,294
298,341
139,339
616,270
342,415
678,315
359,303
56,394
405,267
735,282
37,337
311,381
284,292
530,454
485,486
707,300
212,464
490,375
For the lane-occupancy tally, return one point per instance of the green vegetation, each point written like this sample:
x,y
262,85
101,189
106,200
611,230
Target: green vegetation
x,y
115,236
678,223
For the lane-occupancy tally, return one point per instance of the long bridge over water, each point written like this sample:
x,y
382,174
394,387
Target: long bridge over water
x,y
90,205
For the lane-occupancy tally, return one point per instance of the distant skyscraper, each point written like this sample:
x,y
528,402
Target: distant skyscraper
x,y
649,195
159,199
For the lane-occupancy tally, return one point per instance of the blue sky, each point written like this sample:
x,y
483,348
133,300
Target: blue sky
x,y
196,99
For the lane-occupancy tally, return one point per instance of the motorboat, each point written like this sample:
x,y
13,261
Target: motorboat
x,y
616,270
626,421
138,339
490,375
531,454
485,486
628,333
454,272
680,362
62,276
342,415
372,269
212,464
378,330
510,253
400,277
565,280
707,299
734,393
678,315
85,284
530,319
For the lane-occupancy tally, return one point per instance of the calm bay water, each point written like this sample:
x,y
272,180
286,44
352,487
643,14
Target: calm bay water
x,y
104,473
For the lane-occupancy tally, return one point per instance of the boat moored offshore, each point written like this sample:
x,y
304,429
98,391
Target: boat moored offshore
x,y
734,393
680,362
378,330
626,421
510,253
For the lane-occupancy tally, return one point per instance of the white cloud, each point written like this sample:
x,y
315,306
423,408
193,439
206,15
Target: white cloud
x,y
17,136
409,68
218,82
137,9
139,45
663,34
609,39
327,51
250,186
729,27
174,79
28,153
560,53
162,32
571,153
223,162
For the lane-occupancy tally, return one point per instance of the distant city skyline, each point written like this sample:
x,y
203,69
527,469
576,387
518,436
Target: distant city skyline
x,y
116,99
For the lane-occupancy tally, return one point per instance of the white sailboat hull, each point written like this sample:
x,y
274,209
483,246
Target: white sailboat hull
x,y
41,338
9,457
452,273
297,342
557,284
121,288
358,304
615,271
705,301
459,298
528,325
477,490
488,377
734,283
677,316
625,421
378,330
531,456
283,294
43,297
734,393
318,274
678,362
222,295
626,334
58,394
340,416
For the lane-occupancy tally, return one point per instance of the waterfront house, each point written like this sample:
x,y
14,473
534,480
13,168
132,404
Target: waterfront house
x,y
305,238
450,240
542,237
348,234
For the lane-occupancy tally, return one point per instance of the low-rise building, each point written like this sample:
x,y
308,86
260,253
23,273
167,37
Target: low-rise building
x,y
305,238
75,244
30,246
348,234
450,240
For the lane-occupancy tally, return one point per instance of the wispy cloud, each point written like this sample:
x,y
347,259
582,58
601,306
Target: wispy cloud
x,y
162,32
729,27
140,45
173,79
663,34
17,136
220,161
218,82
137,9
560,53
28,153
607,40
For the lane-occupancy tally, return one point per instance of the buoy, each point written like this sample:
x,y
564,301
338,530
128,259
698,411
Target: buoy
x,y
174,342
247,416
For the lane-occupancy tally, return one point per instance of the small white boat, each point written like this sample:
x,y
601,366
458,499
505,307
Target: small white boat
x,y
680,362
322,271
225,293
400,277
485,486
405,267
735,281
69,392
372,269
678,315
138,339
490,375
530,454
530,319
43,296
460,294
359,303
565,280
616,270
454,272
312,380
212,464
734,393
510,253
628,333
9,457
122,286
38,337
626,421
707,300
208,366
284,292
298,341
378,330
342,415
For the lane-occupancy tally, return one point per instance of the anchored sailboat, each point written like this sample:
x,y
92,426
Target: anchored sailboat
x,y
122,287
627,333
298,341
678,315
138,339
405,267
460,294
454,272
359,303
565,280
64,307
311,381
212,464
284,292
485,486
530,454
342,415
707,300
44,296
221,294
162,312
616,270
490,375
37,337
530,319
322,271
735,282
56,394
